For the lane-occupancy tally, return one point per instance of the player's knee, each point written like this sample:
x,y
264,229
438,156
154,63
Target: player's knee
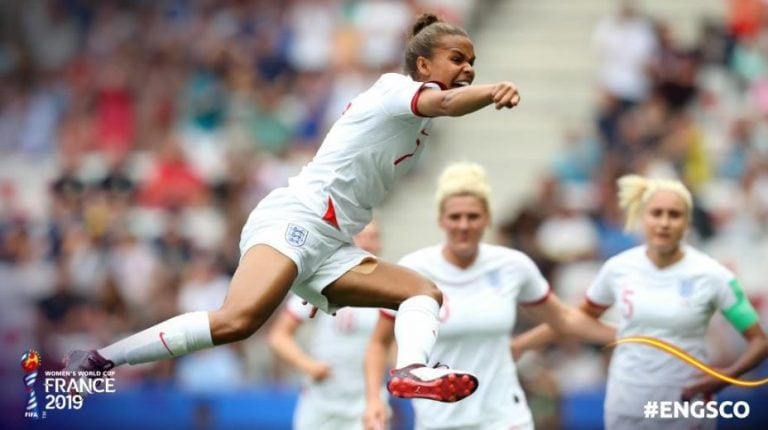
x,y
436,294
428,288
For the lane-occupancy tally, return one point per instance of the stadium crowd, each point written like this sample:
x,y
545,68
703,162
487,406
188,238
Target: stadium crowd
x,y
152,150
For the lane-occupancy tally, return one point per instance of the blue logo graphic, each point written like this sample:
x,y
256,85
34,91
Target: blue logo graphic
x,y
494,278
295,235
686,288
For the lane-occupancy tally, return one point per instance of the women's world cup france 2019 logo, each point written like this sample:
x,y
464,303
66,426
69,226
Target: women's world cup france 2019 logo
x,y
30,362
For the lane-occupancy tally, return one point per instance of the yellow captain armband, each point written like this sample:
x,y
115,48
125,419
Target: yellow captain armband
x,y
741,315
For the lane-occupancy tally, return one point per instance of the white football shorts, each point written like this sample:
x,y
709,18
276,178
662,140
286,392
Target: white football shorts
x,y
317,248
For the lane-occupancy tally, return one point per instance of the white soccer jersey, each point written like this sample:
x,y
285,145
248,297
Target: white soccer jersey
x,y
673,304
340,342
377,140
476,322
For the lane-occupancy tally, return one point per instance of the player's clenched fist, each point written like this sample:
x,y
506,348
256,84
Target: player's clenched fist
x,y
505,95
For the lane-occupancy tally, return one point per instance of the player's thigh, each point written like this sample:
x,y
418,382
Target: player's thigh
x,y
263,275
379,284
258,286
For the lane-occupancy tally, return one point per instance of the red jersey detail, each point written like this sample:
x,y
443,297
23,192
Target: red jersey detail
x,y
165,344
407,156
330,215
539,301
595,304
415,99
386,315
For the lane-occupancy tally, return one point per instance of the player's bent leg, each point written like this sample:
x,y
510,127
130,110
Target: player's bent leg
x,y
261,282
417,301
379,284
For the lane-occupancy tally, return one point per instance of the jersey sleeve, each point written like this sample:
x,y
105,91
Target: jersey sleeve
x,y
534,288
600,292
295,308
734,304
400,96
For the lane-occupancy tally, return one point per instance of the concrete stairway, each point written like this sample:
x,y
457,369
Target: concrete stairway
x,y
544,46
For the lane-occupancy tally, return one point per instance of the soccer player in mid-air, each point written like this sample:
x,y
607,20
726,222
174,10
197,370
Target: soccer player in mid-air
x,y
299,238
667,290
482,285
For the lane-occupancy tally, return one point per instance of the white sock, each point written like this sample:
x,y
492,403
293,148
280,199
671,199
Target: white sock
x,y
177,336
416,326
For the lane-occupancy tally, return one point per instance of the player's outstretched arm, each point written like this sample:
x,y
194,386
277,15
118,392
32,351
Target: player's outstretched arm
x,y
464,100
560,319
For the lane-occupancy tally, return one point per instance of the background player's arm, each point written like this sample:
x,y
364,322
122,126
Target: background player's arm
x,y
566,321
376,356
737,310
282,340
461,101
754,354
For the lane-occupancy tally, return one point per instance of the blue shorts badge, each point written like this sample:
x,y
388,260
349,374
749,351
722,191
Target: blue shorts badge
x,y
295,235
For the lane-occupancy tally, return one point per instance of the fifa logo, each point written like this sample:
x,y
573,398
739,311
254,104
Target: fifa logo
x,y
30,362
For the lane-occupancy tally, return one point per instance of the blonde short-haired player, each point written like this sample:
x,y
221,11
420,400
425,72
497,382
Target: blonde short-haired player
x,y
299,238
482,285
667,290
332,396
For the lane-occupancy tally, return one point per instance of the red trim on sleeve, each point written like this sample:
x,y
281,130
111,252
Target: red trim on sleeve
x,y
595,304
415,99
538,301
386,315
293,315
330,214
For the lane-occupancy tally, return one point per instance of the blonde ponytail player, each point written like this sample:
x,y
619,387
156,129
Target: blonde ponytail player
x,y
482,285
666,290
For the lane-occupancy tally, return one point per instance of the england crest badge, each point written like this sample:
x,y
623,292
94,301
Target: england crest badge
x,y
295,235
686,288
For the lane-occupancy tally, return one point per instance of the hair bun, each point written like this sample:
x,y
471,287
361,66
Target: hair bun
x,y
423,21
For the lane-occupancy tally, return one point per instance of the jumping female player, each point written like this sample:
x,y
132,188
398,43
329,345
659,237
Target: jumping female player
x,y
299,237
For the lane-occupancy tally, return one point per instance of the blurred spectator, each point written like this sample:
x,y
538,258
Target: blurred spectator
x,y
173,182
626,44
673,70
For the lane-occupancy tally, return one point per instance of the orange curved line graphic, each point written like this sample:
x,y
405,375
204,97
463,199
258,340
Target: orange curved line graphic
x,y
693,361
